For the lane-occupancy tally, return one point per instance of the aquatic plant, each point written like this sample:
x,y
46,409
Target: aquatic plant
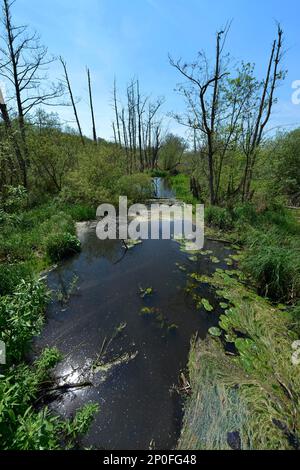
x,y
145,292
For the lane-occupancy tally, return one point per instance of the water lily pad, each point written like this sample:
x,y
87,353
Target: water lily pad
x,y
208,307
198,277
224,305
147,311
214,260
206,252
214,331
229,261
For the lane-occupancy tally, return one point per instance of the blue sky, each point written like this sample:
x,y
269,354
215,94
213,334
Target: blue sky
x,y
126,38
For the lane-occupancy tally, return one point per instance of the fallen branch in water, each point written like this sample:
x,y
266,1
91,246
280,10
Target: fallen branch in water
x,y
66,387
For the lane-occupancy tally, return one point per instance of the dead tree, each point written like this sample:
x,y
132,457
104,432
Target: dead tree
x,y
136,129
208,107
68,84
117,126
23,63
91,106
254,127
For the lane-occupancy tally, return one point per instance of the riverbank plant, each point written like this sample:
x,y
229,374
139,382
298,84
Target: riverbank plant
x,y
244,384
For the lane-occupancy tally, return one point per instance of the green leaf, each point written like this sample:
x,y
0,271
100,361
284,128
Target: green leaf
x,y
208,307
214,331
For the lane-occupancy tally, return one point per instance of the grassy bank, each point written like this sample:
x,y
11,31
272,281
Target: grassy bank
x,y
245,388
249,397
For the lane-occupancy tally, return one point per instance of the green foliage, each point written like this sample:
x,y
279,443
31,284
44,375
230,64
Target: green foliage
x,y
21,317
137,187
12,274
24,428
270,260
61,246
96,176
171,152
255,391
81,213
215,332
181,186
159,174
287,166
13,199
218,217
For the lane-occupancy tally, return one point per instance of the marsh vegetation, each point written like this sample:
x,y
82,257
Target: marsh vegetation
x,y
134,316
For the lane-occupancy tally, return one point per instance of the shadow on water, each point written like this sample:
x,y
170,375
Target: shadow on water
x,y
136,403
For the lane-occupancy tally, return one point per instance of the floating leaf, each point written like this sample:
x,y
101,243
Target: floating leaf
x,y
145,292
214,331
214,260
223,305
208,307
229,261
206,252
147,311
198,277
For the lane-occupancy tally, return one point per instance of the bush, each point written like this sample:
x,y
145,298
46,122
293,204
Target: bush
x,y
218,217
61,246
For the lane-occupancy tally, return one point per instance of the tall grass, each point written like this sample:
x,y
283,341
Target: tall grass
x,y
273,262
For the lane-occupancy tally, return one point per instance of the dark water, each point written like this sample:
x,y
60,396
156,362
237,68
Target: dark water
x,y
136,405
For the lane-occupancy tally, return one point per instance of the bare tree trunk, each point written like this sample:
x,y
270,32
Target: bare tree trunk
x,y
91,106
115,134
266,104
13,58
117,113
72,98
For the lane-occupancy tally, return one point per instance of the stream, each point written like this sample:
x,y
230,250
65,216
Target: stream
x,y
131,362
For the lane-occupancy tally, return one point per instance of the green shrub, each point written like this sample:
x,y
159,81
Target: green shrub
x,y
21,317
61,246
218,217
